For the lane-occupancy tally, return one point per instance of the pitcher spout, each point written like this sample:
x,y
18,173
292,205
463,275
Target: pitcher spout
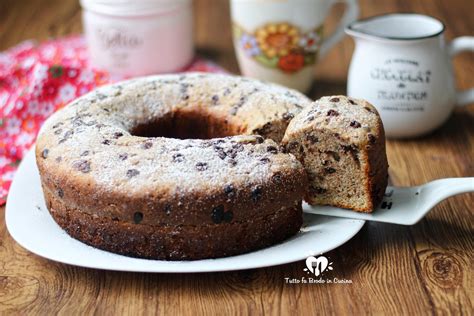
x,y
396,27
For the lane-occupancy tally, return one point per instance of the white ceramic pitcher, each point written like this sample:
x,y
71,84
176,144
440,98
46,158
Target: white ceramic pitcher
x,y
401,64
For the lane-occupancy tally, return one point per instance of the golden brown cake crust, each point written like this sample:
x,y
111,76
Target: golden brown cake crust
x,y
113,188
169,242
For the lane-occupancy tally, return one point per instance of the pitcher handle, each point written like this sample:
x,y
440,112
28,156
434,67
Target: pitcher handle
x,y
457,45
350,15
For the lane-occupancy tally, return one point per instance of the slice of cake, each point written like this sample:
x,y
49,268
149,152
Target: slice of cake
x,y
341,143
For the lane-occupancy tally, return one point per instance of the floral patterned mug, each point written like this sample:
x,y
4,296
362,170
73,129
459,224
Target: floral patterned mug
x,y
281,40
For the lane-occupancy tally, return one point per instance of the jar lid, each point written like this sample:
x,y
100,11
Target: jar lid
x,y
132,7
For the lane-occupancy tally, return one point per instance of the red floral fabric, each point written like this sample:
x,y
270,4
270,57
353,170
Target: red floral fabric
x,y
35,81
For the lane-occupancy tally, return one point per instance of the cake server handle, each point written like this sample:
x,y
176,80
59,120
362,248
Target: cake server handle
x,y
438,190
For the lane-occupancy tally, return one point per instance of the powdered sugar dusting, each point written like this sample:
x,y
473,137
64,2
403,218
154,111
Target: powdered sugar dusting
x,y
93,131
350,118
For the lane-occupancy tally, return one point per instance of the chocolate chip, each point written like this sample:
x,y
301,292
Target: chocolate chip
x,y
60,193
137,217
312,139
231,153
272,149
333,113
118,135
372,138
329,170
293,145
184,90
353,150
201,166
264,160
147,145
85,153
355,124
317,190
106,142
241,102
277,178
238,147
83,166
77,122
58,131
228,216
352,102
216,142
233,111
256,193
132,173
368,109
259,139
45,153
167,209
309,118
221,154
232,162
334,99
229,190
66,136
217,214
178,157
288,116
123,156
215,99
264,130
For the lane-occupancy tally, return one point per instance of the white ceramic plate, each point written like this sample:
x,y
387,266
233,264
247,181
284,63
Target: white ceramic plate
x,y
31,225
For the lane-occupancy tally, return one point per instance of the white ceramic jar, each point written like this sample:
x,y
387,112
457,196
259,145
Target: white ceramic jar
x,y
139,37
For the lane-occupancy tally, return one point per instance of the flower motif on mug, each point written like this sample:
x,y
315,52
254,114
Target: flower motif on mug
x,y
310,41
277,39
280,45
250,45
291,62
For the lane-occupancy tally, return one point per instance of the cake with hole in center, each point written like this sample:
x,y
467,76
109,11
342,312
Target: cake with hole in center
x,y
176,167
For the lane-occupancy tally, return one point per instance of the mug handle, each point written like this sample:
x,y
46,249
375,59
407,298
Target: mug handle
x,y
350,15
457,45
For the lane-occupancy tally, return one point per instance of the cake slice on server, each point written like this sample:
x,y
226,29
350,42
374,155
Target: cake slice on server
x,y
341,143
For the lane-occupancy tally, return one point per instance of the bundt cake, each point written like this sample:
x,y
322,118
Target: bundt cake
x,y
341,143
153,168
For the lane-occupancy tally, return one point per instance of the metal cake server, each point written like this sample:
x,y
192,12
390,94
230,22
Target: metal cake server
x,y
403,205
